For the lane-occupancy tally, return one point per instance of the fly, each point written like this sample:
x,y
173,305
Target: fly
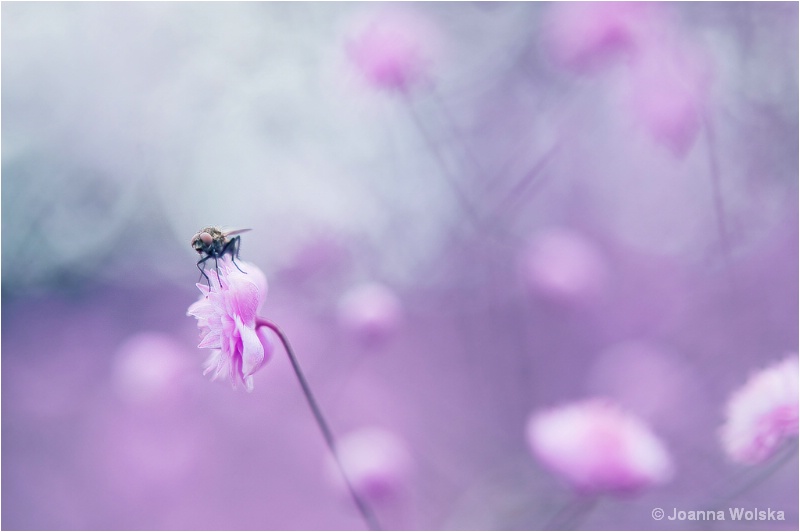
x,y
215,243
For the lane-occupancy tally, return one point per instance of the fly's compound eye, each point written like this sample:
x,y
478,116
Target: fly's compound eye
x,y
206,239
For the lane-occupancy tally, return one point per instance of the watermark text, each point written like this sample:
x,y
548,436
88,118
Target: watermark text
x,y
729,514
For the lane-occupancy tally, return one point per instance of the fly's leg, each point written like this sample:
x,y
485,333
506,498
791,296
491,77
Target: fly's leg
x,y
232,248
216,267
201,265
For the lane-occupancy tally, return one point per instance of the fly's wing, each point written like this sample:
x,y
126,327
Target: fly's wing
x,y
231,232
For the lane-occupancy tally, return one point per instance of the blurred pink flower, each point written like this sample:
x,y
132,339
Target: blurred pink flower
x,y
376,462
226,315
393,49
668,78
563,265
586,36
148,367
648,380
762,414
598,448
668,95
371,312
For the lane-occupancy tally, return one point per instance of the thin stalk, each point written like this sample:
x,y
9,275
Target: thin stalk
x,y
719,205
468,207
363,507
569,516
527,180
531,180
758,476
450,178
451,125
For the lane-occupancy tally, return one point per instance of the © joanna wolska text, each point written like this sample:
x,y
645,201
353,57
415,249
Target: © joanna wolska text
x,y
733,514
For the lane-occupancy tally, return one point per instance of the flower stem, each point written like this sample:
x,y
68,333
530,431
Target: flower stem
x,y
363,507
757,476
719,205
569,516
449,175
480,221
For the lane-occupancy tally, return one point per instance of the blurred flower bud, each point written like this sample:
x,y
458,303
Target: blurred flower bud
x,y
377,464
646,379
561,264
393,49
762,415
598,448
585,36
370,312
668,93
148,367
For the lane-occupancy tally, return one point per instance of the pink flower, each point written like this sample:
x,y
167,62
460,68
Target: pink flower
x,y
226,315
763,413
668,79
393,50
598,448
371,312
148,367
586,36
376,462
668,93
649,380
564,266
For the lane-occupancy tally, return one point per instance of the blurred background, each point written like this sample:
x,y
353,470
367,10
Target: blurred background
x,y
467,212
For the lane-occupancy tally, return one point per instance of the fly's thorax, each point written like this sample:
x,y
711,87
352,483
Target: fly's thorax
x,y
215,232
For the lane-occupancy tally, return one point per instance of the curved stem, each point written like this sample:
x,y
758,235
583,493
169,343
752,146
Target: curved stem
x,y
363,507
758,476
719,205
569,516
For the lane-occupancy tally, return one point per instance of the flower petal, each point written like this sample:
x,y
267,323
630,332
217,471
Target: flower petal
x,y
245,302
252,350
763,413
266,342
212,339
214,363
200,308
235,367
